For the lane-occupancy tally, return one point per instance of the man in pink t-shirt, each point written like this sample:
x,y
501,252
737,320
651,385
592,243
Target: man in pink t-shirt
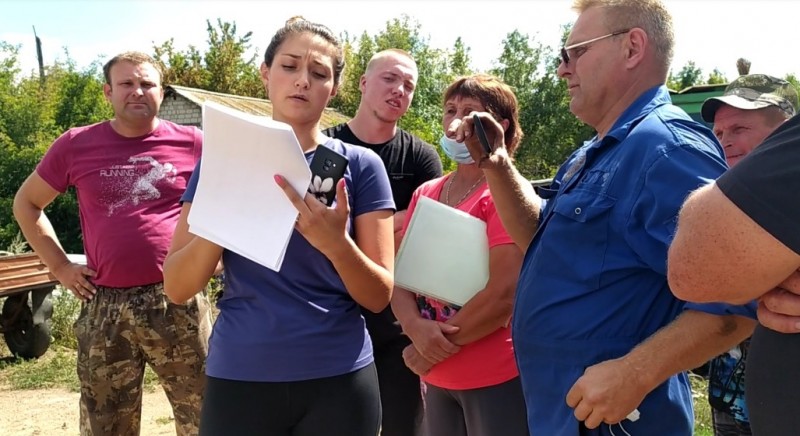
x,y
129,174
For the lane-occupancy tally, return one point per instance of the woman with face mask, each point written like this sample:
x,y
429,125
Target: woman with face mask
x,y
464,354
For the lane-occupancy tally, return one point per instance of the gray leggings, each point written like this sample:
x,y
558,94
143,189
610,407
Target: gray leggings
x,y
490,411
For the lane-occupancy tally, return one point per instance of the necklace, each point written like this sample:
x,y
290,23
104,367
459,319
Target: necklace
x,y
469,191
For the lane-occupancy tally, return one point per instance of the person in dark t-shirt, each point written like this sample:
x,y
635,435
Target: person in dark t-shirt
x,y
755,254
387,88
749,110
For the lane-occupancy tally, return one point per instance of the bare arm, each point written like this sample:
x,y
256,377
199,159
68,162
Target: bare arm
x,y
365,264
514,197
720,254
609,391
29,203
690,341
427,336
516,201
404,306
399,218
190,262
490,308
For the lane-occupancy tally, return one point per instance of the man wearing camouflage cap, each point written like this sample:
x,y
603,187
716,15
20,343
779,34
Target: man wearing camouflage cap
x,y
749,110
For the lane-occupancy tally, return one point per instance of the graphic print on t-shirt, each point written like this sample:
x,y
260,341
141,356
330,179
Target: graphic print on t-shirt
x,y
726,382
135,182
435,310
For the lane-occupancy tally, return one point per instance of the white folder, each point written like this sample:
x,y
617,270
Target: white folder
x,y
444,254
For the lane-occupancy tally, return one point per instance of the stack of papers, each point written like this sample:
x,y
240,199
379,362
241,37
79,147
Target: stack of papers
x,y
237,204
444,254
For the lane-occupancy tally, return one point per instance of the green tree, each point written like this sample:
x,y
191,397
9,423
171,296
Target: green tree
x,y
26,105
32,115
8,73
225,67
519,63
459,59
181,67
551,131
229,71
716,77
791,78
79,99
689,75
356,56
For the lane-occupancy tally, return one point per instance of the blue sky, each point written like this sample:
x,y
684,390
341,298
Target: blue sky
x,y
713,33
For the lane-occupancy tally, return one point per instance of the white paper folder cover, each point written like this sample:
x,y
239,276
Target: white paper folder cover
x,y
237,204
444,254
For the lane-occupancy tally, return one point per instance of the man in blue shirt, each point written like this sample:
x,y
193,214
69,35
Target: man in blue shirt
x,y
593,290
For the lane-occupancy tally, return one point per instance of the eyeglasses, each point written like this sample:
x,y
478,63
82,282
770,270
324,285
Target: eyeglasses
x,y
565,50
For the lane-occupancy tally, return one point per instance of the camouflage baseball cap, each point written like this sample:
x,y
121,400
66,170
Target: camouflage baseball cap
x,y
754,91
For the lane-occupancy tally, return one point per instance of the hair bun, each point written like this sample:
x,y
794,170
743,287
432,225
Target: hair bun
x,y
295,19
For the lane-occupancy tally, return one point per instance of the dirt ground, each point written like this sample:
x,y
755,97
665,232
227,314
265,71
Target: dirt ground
x,y
55,412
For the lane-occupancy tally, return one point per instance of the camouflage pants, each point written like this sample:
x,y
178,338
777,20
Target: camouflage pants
x,y
120,330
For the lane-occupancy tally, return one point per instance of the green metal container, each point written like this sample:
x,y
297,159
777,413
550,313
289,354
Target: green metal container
x,y
691,99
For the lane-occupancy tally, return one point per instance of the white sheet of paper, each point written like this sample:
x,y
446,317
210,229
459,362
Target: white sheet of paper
x,y
237,204
444,254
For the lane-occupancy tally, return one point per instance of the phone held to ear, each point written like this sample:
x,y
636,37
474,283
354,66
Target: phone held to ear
x,y
327,168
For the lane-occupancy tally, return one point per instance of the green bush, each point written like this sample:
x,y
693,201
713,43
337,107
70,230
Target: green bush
x,y
56,369
66,309
214,289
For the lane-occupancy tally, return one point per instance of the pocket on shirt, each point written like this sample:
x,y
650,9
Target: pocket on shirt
x,y
584,206
581,225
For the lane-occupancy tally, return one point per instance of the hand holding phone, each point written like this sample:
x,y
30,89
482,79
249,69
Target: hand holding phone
x,y
481,134
327,168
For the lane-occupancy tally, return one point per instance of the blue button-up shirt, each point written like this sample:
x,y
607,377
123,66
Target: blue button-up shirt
x,y
593,283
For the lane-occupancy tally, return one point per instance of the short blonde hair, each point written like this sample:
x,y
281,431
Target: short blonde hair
x,y
387,53
649,15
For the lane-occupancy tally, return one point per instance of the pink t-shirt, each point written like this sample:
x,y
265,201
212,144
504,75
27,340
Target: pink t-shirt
x,y
490,360
128,194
